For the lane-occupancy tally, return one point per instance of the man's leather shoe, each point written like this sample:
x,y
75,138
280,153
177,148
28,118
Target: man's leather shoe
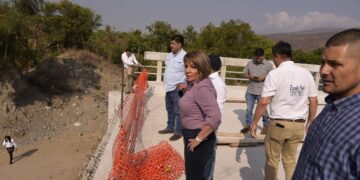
x,y
175,137
166,131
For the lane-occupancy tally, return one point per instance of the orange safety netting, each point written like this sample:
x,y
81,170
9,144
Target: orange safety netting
x,y
158,162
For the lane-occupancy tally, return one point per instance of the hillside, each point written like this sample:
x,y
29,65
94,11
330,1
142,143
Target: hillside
x,y
57,114
305,40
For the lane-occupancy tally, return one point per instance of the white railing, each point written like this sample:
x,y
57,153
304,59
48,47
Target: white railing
x,y
159,57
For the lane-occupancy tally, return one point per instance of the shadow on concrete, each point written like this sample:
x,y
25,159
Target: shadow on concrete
x,y
149,93
255,155
241,113
26,154
242,118
256,161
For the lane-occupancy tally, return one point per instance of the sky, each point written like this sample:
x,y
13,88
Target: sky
x,y
264,16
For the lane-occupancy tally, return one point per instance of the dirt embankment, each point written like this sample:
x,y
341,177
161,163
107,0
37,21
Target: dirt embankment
x,y
62,103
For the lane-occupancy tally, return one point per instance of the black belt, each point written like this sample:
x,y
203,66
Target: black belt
x,y
289,120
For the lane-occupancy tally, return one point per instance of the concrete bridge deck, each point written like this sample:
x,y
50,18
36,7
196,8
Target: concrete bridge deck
x,y
231,163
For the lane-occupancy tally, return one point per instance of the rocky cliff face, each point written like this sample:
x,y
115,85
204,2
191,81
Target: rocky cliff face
x,y
64,95
11,84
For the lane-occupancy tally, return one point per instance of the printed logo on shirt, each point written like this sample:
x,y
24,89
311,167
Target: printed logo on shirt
x,y
297,90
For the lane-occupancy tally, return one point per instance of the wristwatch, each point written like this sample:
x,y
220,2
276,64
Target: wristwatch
x,y
198,139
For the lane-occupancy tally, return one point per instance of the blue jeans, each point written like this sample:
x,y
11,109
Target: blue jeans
x,y
172,108
250,102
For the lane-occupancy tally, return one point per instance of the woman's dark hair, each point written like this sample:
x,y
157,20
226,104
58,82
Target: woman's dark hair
x,y
7,138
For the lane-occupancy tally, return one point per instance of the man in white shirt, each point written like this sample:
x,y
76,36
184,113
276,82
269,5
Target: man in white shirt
x,y
221,90
129,61
174,81
288,90
218,83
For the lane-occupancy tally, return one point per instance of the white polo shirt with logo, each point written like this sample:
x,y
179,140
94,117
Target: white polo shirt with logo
x,y
289,87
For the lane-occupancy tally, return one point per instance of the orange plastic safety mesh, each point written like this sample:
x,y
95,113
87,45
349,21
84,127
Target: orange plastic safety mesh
x,y
158,162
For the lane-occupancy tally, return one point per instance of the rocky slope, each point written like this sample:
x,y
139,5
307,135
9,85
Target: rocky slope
x,y
65,97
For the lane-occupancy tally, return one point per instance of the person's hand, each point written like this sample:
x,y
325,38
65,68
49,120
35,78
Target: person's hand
x,y
253,130
261,78
192,144
181,86
250,77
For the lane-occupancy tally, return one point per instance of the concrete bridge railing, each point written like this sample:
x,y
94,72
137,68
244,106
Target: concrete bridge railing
x,y
227,62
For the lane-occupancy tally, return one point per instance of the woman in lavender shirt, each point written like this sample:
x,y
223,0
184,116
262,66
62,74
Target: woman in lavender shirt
x,y
200,114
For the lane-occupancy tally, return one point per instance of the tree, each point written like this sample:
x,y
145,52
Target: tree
x,y
137,43
233,38
18,34
312,57
160,33
190,36
69,24
27,27
107,43
29,7
207,39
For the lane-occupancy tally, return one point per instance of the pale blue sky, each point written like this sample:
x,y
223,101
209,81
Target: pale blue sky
x,y
264,16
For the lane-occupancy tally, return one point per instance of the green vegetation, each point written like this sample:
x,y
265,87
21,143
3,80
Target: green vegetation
x,y
29,29
33,29
312,57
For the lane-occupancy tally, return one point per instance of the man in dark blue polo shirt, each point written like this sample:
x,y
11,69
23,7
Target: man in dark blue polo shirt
x,y
332,146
